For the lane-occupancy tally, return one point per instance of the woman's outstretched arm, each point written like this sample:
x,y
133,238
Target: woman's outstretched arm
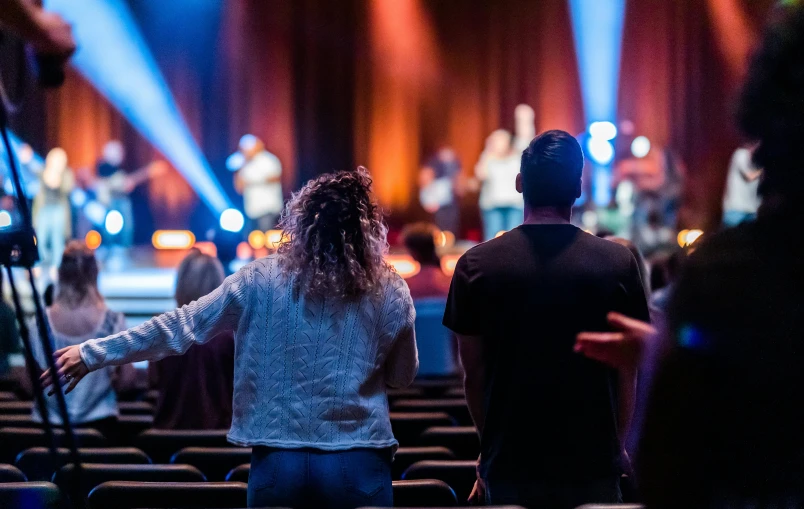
x,y
172,333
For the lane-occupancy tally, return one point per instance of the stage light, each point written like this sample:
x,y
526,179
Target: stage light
x,y
256,239
114,222
93,239
688,237
78,197
273,238
603,130
640,146
173,239
404,265
448,263
95,212
232,220
5,219
114,57
601,151
235,161
500,233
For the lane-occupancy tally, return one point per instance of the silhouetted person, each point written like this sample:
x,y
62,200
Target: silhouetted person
x,y
430,281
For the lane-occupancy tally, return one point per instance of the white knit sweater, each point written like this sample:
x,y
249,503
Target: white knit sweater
x,y
308,372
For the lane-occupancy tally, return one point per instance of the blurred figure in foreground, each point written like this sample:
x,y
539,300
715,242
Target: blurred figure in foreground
x,y
741,200
77,314
419,240
723,420
195,390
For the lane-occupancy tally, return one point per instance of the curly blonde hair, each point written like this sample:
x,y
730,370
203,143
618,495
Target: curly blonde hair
x,y
334,238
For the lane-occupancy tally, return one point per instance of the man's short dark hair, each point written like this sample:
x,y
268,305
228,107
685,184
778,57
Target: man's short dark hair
x,y
551,170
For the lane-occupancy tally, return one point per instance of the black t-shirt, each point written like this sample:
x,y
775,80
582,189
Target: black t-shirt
x,y
549,412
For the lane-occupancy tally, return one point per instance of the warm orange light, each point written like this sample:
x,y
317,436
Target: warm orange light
x,y
273,238
688,237
500,233
404,265
173,239
448,263
256,239
208,248
244,251
93,239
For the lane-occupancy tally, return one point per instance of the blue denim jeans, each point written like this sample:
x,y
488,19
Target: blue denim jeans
x,y
301,478
500,219
553,494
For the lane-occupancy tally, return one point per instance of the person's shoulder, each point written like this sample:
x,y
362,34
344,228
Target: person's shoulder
x,y
605,247
724,247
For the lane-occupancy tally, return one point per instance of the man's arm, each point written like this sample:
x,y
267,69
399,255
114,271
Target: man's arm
x,y
46,31
471,350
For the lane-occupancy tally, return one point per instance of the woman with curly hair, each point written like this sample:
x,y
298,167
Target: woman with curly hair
x,y
321,329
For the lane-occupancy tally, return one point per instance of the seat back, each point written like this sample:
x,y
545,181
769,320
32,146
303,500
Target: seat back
x,y
407,426
39,465
455,407
611,506
436,345
10,473
214,462
135,408
423,493
174,495
407,456
38,495
16,407
239,473
161,444
130,426
8,396
461,440
460,475
94,474
15,440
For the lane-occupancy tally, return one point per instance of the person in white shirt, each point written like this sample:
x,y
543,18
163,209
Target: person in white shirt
x,y
524,127
741,200
258,178
502,206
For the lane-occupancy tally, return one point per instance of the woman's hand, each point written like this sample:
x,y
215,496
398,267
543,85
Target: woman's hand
x,y
621,349
71,369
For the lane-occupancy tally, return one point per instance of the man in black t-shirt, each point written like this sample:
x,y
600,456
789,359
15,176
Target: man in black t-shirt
x,y
550,419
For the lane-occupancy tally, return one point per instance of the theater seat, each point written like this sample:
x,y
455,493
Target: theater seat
x,y
15,440
37,463
407,426
239,473
8,396
611,506
162,495
459,475
461,440
403,393
455,407
10,473
423,493
161,444
135,408
407,456
16,407
130,426
436,387
214,462
38,495
94,474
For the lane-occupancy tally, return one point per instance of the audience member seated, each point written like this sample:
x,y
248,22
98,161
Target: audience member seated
x,y
77,314
9,335
419,240
321,328
195,389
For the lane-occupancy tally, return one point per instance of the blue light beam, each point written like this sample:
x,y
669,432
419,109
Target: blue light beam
x,y
113,56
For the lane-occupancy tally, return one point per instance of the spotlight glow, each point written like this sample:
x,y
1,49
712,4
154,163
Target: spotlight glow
x,y
404,265
173,239
601,151
256,239
114,222
640,146
232,220
5,219
604,130
113,56
93,239
95,212
78,197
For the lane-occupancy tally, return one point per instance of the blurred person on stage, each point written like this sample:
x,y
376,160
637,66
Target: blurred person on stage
x,y
430,281
524,128
258,177
517,303
51,207
195,389
722,424
78,313
501,205
741,199
439,189
114,185
322,328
